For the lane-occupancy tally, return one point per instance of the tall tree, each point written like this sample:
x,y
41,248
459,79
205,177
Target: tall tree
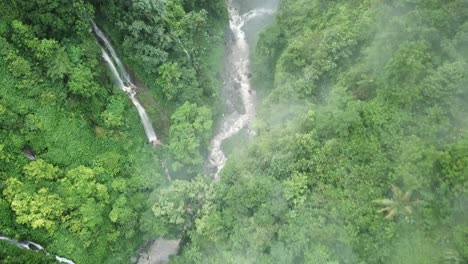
x,y
191,125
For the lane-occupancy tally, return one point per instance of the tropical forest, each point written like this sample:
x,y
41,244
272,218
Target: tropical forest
x,y
234,131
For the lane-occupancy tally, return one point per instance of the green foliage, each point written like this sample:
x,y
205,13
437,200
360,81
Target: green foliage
x,y
81,81
190,130
38,208
216,8
93,174
182,202
39,170
145,32
178,84
416,248
175,47
400,205
56,19
455,164
295,188
59,66
113,116
10,254
359,96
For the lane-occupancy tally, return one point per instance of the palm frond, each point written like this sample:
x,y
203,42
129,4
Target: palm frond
x,y
385,202
408,209
391,214
396,191
407,196
401,203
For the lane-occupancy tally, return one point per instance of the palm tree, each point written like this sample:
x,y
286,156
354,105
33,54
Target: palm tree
x,y
400,205
452,256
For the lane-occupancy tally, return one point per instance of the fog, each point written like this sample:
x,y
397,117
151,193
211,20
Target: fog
x,y
239,97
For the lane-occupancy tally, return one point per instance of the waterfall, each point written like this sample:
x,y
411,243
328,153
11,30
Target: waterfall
x,y
257,12
111,49
123,81
238,76
29,245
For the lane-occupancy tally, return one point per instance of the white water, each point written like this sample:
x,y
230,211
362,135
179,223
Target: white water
x,y
239,74
122,80
257,12
111,49
35,247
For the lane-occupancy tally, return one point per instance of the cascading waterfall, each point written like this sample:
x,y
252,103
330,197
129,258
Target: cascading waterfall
x,y
238,74
257,12
111,49
29,245
123,81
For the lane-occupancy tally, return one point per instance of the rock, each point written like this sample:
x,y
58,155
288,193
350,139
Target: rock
x,y
159,252
28,153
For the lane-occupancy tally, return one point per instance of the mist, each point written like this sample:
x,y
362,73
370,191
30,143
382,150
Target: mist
x,y
295,131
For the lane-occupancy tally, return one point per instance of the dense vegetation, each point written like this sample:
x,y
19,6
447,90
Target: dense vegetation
x,y
87,194
361,154
10,254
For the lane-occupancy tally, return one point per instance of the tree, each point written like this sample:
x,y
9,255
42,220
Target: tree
x,y
407,67
216,8
85,200
179,84
296,188
82,81
113,115
59,65
146,37
400,205
11,254
38,209
56,19
190,129
184,201
39,170
414,246
123,214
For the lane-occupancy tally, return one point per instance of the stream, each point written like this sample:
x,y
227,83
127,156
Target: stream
x,y
238,114
246,19
33,246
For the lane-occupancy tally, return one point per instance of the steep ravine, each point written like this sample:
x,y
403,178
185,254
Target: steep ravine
x,y
238,99
238,95
246,20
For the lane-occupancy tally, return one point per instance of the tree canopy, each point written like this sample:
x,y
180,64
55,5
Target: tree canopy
x,y
361,153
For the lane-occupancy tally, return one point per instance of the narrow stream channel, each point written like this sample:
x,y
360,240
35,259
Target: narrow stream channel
x,y
237,85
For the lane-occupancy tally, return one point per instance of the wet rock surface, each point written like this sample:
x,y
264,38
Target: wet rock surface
x,y
246,20
159,252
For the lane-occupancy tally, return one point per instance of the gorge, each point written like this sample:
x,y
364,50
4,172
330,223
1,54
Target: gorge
x,y
233,131
237,81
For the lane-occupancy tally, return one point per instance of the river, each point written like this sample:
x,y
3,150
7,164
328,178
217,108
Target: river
x,y
238,114
246,20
